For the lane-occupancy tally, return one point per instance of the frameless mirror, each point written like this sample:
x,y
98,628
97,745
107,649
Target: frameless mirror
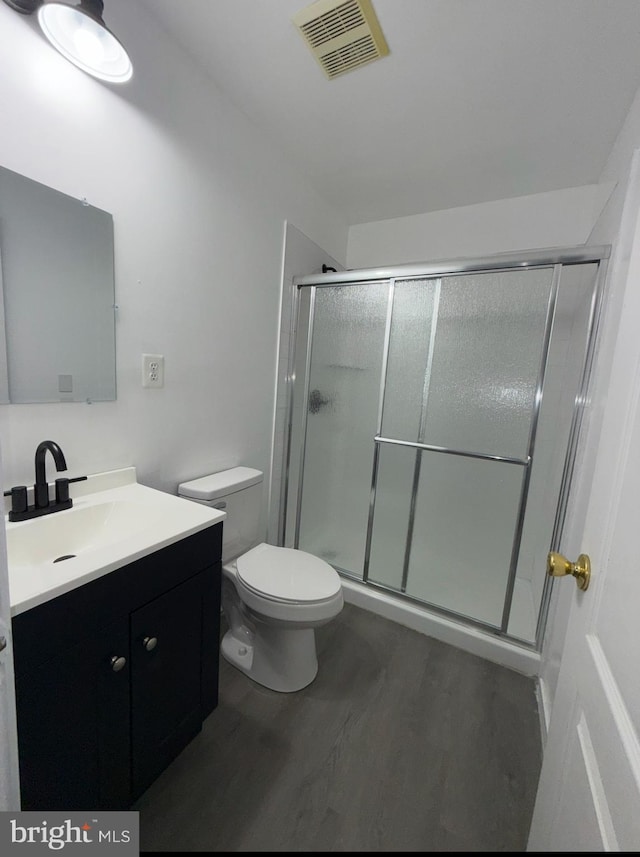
x,y
57,330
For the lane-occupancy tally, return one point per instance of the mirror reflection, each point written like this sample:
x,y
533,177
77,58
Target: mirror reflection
x,y
57,331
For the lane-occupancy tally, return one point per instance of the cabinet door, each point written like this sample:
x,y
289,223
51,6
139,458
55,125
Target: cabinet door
x,y
73,726
166,659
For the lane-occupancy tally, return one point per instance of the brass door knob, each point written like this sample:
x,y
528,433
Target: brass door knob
x,y
559,566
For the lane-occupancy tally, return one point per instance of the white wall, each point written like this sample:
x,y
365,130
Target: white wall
x,y
561,218
199,199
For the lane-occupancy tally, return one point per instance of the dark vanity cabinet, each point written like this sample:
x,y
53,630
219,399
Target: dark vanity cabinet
x,y
115,677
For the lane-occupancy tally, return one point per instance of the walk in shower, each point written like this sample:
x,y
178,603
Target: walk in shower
x,y
431,429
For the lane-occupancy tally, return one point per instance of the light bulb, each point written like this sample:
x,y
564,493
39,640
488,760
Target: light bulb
x,y
85,41
89,46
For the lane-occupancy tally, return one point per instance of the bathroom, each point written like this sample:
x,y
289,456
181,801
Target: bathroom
x,y
202,205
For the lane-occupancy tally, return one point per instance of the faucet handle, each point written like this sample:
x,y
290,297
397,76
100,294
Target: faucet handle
x,y
18,496
62,490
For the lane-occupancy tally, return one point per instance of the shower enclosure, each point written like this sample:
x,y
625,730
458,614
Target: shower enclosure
x,y
432,423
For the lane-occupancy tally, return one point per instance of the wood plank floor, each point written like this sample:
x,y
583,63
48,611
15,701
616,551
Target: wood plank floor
x,y
402,743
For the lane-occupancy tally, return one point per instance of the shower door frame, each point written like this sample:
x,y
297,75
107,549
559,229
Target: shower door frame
x,y
554,259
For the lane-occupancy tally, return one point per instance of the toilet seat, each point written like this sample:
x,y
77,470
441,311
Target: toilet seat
x,y
287,576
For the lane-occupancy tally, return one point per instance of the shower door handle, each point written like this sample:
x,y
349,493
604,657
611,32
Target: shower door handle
x,y
559,566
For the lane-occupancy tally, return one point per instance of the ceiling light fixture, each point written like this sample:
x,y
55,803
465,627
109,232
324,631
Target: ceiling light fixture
x,y
81,36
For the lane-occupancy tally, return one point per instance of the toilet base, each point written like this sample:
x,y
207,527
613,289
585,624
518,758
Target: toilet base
x,y
279,658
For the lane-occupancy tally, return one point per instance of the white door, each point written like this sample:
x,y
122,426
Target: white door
x,y
589,791
9,785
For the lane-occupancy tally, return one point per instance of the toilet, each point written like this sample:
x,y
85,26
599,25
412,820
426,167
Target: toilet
x,y
273,598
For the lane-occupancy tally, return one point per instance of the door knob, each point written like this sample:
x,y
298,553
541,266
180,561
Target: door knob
x,y
559,566
118,663
150,643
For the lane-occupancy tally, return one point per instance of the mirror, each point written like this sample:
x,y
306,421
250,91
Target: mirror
x,y
57,326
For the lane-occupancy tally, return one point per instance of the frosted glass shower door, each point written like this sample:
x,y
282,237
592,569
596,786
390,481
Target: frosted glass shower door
x,y
452,463
461,529
342,401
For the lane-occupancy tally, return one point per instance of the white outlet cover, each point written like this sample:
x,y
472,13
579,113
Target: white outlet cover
x,y
153,370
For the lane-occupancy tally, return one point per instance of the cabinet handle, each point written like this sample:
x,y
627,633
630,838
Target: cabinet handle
x,y
150,643
118,663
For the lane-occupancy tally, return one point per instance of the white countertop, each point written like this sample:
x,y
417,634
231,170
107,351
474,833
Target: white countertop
x,y
114,521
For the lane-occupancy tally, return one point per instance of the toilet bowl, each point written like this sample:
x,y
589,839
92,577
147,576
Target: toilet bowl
x,y
273,598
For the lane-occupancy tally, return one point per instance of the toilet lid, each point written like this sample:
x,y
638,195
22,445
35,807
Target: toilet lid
x,y
284,574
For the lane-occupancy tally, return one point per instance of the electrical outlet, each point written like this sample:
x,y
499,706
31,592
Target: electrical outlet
x,y
153,370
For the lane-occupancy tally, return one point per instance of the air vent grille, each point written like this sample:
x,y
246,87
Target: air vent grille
x,y
342,36
350,56
332,24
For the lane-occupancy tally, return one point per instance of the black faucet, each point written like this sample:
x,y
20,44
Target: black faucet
x,y
20,511
41,488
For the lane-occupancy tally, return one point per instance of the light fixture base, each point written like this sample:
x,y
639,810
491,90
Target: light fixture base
x,y
24,6
93,8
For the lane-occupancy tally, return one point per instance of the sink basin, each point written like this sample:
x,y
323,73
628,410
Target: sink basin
x,y
114,521
66,535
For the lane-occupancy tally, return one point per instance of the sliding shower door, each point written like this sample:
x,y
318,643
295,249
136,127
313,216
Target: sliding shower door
x,y
416,409
459,455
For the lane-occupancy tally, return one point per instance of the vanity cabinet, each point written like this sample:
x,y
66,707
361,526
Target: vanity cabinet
x,y
115,677
73,725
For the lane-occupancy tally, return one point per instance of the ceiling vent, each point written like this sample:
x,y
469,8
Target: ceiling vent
x,y
342,36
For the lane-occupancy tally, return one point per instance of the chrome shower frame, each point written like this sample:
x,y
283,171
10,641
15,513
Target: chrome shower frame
x,y
552,258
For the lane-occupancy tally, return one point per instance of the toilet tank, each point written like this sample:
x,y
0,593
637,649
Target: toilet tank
x,y
238,492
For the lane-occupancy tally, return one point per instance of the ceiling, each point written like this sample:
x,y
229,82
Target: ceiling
x,y
478,99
